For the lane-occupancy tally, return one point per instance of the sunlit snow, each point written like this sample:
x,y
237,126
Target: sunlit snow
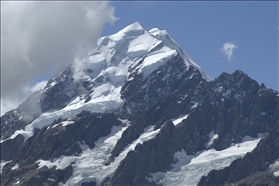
x,y
64,123
275,168
3,163
90,164
109,64
189,169
179,120
15,167
212,136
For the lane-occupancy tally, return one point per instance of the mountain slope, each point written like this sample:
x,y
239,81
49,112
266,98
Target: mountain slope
x,y
138,111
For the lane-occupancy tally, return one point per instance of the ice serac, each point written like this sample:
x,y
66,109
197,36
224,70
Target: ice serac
x,y
140,111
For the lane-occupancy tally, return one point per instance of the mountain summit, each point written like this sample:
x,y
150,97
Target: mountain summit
x,y
140,111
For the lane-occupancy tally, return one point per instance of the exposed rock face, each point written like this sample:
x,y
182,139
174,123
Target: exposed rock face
x,y
42,176
143,105
230,116
10,147
59,91
142,93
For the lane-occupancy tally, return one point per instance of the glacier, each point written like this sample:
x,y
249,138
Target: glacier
x,y
188,169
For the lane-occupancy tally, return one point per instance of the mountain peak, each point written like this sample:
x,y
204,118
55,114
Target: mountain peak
x,y
139,101
134,27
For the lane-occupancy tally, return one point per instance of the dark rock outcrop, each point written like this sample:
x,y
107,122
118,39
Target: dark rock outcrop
x,y
143,92
10,147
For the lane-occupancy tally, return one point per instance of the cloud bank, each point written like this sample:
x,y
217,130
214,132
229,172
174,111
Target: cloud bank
x,y
40,38
228,49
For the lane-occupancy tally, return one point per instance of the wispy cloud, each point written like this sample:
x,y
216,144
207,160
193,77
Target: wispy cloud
x,y
228,49
9,104
39,36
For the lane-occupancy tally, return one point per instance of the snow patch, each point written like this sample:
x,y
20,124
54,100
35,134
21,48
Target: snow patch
x,y
148,134
15,167
24,133
3,163
18,182
274,168
60,163
212,136
52,84
64,123
195,104
179,120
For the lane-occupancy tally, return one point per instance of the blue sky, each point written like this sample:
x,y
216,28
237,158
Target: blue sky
x,y
202,28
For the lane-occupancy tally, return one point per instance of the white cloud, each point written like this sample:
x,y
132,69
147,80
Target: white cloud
x,y
228,49
38,86
9,104
39,36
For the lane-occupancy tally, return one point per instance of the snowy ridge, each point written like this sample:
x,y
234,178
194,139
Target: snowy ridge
x,y
169,41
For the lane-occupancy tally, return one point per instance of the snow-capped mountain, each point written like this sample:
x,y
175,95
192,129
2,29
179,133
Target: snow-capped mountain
x,y
140,111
